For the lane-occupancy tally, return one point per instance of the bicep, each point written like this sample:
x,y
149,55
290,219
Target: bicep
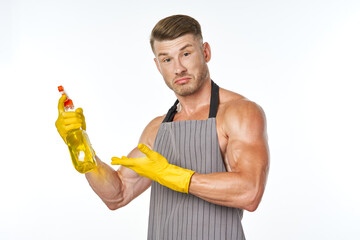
x,y
247,150
134,184
250,159
248,156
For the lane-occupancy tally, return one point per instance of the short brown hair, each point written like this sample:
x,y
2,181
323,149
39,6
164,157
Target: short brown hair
x,y
173,27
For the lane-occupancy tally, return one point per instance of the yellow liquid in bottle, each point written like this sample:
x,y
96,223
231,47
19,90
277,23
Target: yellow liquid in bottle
x,y
81,152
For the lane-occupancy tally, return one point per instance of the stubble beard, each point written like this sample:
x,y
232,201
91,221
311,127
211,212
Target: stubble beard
x,y
193,86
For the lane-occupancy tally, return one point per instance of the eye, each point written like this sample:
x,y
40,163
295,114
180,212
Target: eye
x,y
186,54
166,60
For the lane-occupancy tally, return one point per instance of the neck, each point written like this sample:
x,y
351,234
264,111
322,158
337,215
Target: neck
x,y
196,101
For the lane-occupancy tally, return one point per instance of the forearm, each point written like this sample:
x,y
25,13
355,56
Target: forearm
x,y
227,189
107,184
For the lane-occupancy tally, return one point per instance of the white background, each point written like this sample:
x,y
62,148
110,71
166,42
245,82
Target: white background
x,y
299,60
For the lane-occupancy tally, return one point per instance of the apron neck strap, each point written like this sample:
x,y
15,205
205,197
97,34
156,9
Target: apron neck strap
x,y
214,101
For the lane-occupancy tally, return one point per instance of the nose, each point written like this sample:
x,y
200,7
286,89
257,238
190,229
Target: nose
x,y
179,67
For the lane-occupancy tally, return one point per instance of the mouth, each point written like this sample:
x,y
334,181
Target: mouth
x,y
182,80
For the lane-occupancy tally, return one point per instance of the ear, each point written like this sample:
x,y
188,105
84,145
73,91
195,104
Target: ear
x,y
207,51
157,65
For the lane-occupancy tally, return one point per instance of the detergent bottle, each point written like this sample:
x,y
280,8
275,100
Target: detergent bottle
x,y
81,152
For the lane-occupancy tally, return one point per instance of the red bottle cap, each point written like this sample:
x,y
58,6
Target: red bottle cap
x,y
68,104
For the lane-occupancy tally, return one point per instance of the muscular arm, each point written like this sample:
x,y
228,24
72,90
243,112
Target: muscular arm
x,y
246,155
117,188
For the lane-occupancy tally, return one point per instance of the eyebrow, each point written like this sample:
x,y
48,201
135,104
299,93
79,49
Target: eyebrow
x,y
164,54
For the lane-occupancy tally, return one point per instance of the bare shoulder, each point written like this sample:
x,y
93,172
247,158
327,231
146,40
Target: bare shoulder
x,y
239,115
231,103
149,134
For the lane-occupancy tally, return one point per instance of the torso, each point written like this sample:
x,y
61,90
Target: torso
x,y
192,141
226,99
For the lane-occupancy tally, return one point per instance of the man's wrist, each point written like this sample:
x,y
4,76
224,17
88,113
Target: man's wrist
x,y
176,178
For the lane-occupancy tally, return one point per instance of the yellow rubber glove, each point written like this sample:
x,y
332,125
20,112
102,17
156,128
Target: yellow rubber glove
x,y
68,121
157,168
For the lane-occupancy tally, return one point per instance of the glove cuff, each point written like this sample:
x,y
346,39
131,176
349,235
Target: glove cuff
x,y
176,178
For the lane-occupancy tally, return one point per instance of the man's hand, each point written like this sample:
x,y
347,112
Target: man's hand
x,y
68,121
156,167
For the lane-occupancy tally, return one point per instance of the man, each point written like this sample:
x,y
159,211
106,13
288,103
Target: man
x,y
206,160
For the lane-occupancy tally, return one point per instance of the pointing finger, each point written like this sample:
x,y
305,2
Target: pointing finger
x,y
120,161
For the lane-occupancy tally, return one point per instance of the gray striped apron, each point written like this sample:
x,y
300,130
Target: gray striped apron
x,y
191,144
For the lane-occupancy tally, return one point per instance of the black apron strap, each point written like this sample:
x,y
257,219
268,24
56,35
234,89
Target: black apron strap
x,y
214,103
171,113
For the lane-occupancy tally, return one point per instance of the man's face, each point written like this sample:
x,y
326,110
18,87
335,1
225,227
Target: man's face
x,y
182,63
